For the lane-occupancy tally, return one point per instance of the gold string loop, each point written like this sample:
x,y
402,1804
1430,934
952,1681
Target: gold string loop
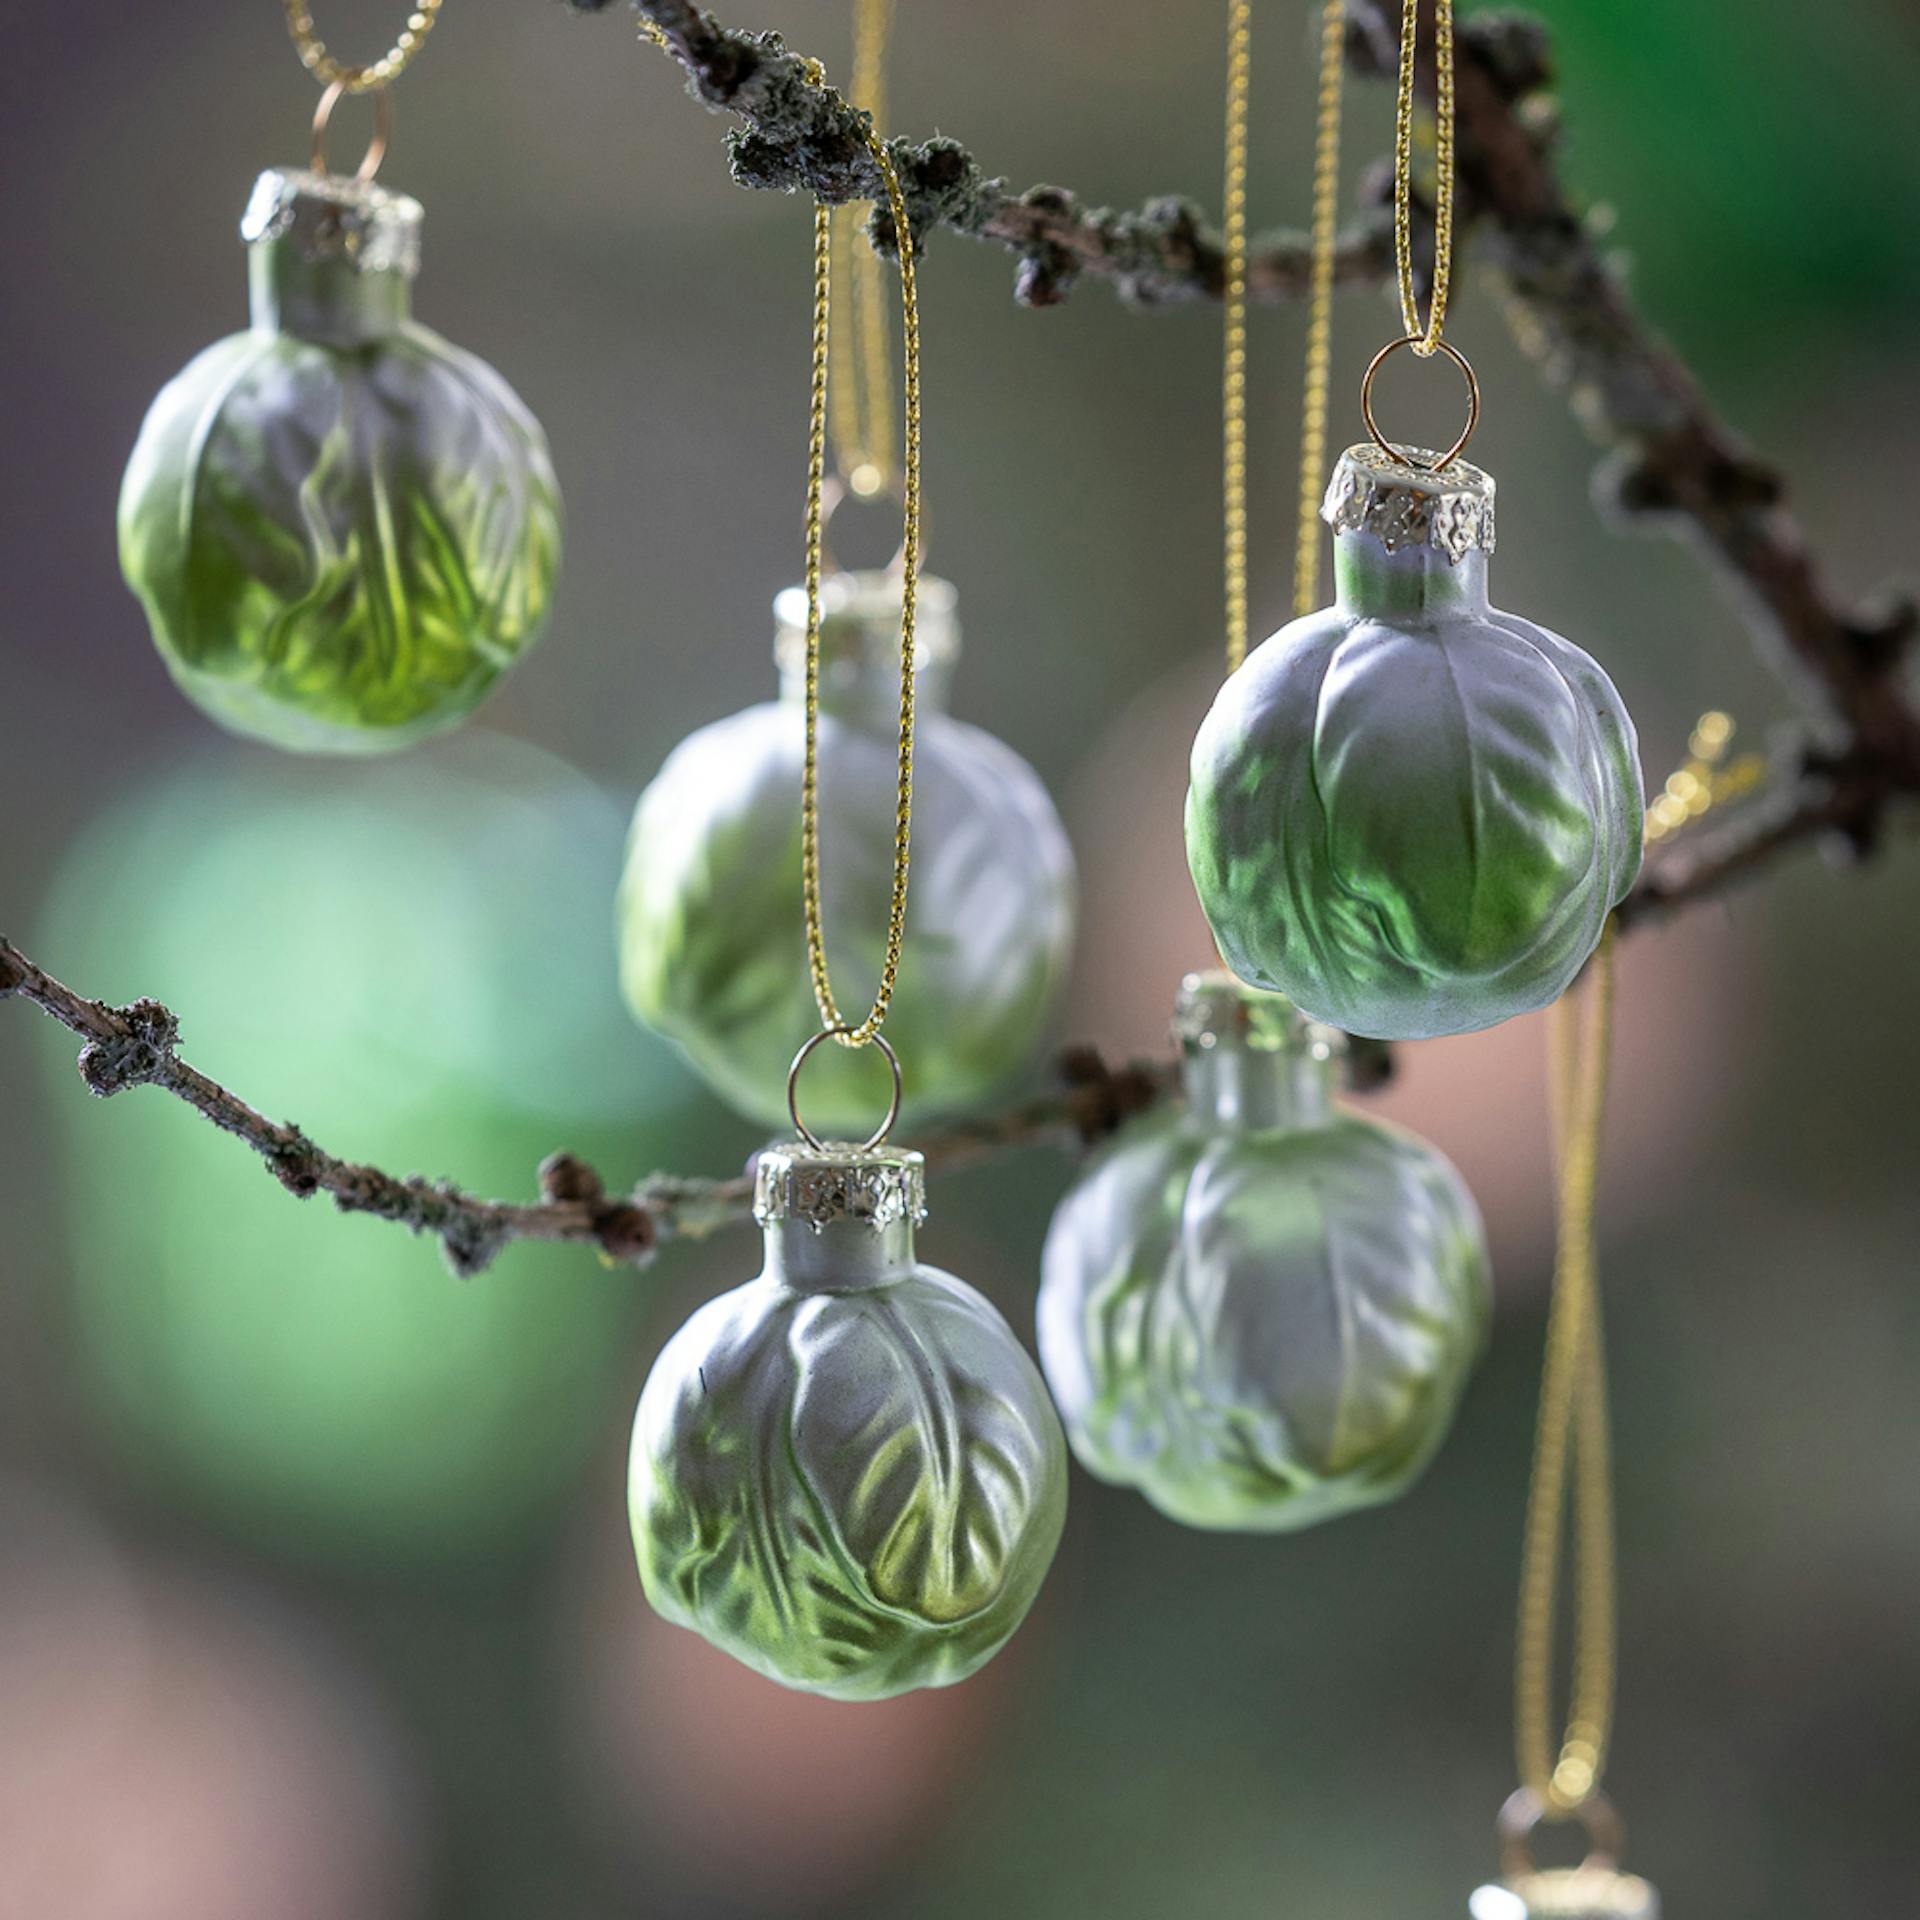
x,y
1426,334
862,416
370,79
1233,378
1572,1442
859,1033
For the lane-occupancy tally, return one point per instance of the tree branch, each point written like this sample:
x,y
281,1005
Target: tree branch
x,y
796,136
137,1046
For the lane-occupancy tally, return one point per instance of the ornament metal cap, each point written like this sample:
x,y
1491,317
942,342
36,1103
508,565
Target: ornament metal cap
x,y
1402,503
860,623
334,217
873,1187
1217,1010
1589,1892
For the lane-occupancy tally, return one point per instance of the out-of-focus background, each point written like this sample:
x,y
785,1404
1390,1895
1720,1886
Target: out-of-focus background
x,y
315,1591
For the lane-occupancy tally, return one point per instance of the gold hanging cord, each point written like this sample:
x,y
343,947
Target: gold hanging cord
x,y
1314,396
1572,1444
1424,337
862,409
849,1033
1233,379
382,73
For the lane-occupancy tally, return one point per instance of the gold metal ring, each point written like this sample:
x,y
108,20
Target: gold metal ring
x,y
805,1132
1524,1810
836,492
1380,440
376,147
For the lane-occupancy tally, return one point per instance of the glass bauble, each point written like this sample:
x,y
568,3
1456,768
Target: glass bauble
x,y
1259,1309
847,1472
1412,813
355,959
711,930
343,528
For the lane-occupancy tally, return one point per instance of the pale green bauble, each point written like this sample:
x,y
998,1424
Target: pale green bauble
x,y
846,1473
1261,1310
402,958
710,921
1412,813
343,529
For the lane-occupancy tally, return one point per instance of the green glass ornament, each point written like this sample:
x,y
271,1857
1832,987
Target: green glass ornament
x,y
343,529
847,1472
710,918
356,959
1412,813
1261,1310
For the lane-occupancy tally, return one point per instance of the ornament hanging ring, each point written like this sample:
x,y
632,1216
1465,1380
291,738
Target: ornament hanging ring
x,y
1380,440
376,147
840,1033
1524,1810
835,492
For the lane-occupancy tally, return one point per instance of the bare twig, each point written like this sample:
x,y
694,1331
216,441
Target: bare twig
x,y
795,135
137,1046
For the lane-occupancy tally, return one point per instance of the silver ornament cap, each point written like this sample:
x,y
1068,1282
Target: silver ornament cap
x,y
330,258
860,632
1215,1009
1590,1892
1410,502
836,1181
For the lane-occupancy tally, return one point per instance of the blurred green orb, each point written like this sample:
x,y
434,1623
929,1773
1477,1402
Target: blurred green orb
x,y
409,964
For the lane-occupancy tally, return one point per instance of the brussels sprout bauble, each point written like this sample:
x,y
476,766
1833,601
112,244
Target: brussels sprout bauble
x,y
1261,1311
1412,813
342,528
711,930
847,1473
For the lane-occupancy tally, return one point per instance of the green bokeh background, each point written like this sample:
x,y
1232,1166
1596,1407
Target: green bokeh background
x,y
1296,1727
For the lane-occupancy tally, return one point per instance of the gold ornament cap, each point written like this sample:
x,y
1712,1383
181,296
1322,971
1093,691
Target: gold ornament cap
x,y
875,1187
1411,501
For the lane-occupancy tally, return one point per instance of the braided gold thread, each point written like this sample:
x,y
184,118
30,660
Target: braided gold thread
x,y
1233,379
848,1033
1572,1438
1314,394
383,72
1425,335
862,405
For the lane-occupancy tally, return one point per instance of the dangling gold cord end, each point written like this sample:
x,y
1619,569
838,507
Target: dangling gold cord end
x,y
1313,400
1572,1433
850,1034
1233,384
383,72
